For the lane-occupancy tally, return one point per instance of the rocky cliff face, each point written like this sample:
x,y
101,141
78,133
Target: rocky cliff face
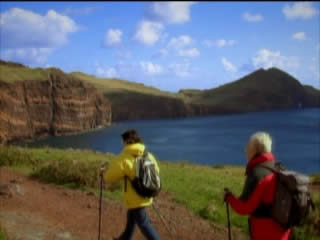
x,y
135,106
56,106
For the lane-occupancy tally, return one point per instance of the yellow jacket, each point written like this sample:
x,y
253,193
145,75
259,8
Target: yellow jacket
x,y
125,165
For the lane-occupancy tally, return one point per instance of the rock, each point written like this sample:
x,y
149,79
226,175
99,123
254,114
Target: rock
x,y
18,189
64,235
11,189
16,180
5,190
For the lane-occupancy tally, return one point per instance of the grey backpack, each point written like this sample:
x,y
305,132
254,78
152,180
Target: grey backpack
x,y
147,181
293,200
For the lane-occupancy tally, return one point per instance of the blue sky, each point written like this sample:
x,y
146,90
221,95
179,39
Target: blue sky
x,y
169,45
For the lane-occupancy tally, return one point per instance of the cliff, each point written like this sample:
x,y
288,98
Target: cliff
x,y
135,106
57,104
134,101
41,102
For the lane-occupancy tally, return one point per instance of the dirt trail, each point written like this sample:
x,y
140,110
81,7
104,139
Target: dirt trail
x,y
31,210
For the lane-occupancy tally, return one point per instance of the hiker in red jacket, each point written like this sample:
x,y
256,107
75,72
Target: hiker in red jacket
x,y
259,191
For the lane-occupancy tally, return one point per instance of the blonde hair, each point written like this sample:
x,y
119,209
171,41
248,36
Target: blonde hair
x,y
259,142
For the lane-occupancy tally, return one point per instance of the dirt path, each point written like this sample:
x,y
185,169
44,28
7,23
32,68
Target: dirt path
x,y
31,210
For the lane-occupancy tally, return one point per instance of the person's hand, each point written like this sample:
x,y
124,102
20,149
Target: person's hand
x,y
101,170
227,193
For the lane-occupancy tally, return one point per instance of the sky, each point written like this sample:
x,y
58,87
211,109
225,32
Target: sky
x,y
168,45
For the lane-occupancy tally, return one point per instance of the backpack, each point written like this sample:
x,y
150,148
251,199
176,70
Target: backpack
x,y
147,180
293,200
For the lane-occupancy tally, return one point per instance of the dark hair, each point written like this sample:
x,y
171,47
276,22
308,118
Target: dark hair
x,y
131,136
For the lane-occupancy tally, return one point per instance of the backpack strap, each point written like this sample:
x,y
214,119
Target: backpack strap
x,y
269,168
125,183
145,152
276,169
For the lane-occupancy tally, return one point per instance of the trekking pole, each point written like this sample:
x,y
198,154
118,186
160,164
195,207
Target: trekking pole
x,y
162,220
229,225
100,205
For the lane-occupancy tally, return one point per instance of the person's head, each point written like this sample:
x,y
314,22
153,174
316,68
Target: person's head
x,y
259,142
130,137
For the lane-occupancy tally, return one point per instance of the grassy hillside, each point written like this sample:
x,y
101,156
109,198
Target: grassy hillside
x,y
272,81
199,188
113,85
11,72
15,72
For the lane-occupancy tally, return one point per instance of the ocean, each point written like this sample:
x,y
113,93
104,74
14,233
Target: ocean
x,y
213,140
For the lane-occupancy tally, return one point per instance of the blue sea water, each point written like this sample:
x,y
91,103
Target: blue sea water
x,y
214,140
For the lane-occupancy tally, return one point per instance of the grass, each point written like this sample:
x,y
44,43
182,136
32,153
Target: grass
x,y
199,188
113,85
206,183
15,73
3,233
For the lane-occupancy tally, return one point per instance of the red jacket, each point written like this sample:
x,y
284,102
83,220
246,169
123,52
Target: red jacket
x,y
261,228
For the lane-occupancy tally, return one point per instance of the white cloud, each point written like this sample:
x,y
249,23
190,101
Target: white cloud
x,y
112,37
182,70
26,55
22,28
180,42
218,43
30,38
106,72
150,68
192,52
179,46
170,12
266,59
299,36
148,32
302,10
223,43
228,66
252,17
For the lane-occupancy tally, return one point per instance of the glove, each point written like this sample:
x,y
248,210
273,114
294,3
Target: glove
x,y
227,193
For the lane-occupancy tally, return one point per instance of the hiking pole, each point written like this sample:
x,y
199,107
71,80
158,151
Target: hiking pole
x,y
228,215
229,224
100,205
162,220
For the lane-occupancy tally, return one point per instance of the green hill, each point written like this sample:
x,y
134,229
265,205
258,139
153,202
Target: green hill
x,y
260,90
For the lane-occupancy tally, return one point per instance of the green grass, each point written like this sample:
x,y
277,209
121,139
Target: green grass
x,y
199,188
3,233
14,73
112,85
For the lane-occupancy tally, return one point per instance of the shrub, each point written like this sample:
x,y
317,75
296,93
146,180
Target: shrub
x,y
75,173
15,156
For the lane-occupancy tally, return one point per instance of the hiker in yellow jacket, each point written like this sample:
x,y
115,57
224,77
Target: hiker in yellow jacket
x,y
124,165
